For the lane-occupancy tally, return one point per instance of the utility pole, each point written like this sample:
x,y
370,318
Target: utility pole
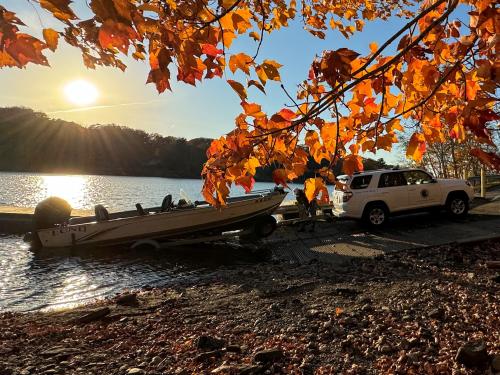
x,y
483,183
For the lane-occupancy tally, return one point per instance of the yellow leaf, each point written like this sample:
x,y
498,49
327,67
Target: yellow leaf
x,y
373,47
228,38
51,38
251,164
313,187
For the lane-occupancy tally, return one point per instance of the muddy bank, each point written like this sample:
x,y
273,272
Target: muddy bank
x,y
407,312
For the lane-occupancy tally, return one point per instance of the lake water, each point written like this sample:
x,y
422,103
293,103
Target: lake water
x,y
33,280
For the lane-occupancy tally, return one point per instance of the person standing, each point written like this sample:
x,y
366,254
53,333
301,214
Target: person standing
x,y
306,210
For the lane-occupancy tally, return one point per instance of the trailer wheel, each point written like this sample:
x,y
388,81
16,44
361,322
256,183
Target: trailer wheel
x,y
265,226
145,245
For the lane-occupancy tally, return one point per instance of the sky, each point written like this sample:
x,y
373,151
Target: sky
x,y
207,110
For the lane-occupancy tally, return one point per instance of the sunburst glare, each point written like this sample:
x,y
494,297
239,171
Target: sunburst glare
x,y
70,188
81,92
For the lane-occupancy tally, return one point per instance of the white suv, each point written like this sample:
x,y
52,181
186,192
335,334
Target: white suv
x,y
375,195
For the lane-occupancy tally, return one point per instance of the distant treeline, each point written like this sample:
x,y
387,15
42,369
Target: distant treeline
x,y
32,142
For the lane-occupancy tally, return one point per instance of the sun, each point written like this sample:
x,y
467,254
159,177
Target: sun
x,y
81,92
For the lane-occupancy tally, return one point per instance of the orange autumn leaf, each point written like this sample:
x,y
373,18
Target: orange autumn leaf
x,y
51,37
24,49
280,177
240,61
351,164
268,70
284,115
161,78
257,84
59,8
252,109
116,35
239,88
416,147
328,174
314,187
252,164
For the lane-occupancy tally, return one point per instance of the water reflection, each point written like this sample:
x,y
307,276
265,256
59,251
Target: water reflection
x,y
70,188
59,278
115,192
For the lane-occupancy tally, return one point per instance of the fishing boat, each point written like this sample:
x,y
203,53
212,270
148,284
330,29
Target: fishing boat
x,y
169,221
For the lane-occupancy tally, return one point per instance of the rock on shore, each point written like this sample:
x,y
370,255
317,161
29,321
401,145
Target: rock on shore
x,y
411,312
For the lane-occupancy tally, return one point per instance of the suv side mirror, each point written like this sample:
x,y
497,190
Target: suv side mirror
x,y
433,181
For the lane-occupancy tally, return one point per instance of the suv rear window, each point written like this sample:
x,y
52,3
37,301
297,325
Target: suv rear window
x,y
361,182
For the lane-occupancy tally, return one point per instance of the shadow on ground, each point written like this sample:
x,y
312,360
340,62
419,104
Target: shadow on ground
x,y
340,241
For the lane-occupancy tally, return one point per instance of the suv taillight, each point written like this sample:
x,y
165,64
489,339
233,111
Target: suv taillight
x,y
346,196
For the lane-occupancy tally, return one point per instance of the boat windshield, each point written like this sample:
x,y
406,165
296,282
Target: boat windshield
x,y
185,198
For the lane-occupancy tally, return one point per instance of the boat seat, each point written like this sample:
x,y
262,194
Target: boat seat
x,y
140,210
101,213
167,203
183,204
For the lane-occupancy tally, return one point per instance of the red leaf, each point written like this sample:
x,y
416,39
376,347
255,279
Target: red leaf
x,y
116,35
210,50
280,177
161,78
490,159
247,182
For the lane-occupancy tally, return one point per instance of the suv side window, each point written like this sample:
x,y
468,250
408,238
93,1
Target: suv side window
x,y
391,180
417,177
361,182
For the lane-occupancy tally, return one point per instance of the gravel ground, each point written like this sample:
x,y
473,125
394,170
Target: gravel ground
x,y
404,313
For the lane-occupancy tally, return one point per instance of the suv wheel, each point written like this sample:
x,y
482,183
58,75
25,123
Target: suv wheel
x,y
376,215
457,206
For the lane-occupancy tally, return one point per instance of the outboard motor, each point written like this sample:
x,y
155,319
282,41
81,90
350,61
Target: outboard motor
x,y
51,211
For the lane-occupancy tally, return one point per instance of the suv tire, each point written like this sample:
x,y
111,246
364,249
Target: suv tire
x,y
457,205
375,215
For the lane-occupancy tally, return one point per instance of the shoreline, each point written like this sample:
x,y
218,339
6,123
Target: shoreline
x,y
406,311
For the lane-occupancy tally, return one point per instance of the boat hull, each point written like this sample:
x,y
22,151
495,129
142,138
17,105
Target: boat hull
x,y
163,225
